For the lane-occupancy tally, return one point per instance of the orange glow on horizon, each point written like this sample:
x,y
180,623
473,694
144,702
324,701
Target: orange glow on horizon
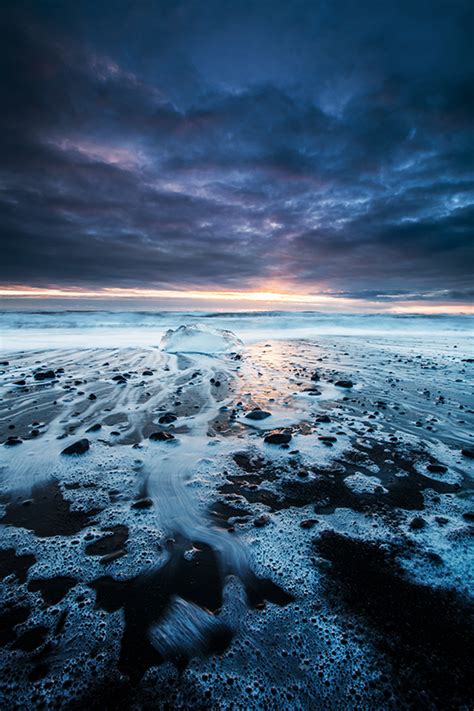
x,y
261,297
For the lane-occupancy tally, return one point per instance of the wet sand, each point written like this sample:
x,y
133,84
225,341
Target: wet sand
x,y
182,559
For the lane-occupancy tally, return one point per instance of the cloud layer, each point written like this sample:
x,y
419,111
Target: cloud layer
x,y
324,147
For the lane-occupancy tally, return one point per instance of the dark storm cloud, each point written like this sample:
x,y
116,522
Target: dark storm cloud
x,y
222,145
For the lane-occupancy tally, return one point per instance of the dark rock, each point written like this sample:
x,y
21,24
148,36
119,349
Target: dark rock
x,y
45,375
79,447
344,383
258,414
119,379
161,436
144,503
19,382
12,441
327,438
147,372
261,520
312,391
437,468
110,557
92,396
167,419
468,452
278,438
315,377
309,523
417,523
468,516
94,428
323,418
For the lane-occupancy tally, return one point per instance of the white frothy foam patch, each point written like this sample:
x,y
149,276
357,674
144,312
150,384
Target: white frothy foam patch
x,y
362,484
199,338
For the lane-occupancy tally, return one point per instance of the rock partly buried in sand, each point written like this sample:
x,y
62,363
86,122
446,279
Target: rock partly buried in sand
x,y
161,436
144,503
258,414
262,520
94,428
437,468
79,447
309,523
13,441
45,375
468,452
417,523
199,338
344,384
278,438
167,419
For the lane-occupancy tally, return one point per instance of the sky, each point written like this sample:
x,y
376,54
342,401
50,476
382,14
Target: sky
x,y
300,153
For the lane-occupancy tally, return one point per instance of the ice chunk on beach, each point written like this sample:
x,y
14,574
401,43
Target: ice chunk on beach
x,y
199,338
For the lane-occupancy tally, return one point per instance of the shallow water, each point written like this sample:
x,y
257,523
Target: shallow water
x,y
214,568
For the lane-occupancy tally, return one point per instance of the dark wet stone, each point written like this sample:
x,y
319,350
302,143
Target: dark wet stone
x,y
437,468
110,557
167,418
94,428
468,515
323,418
79,447
119,379
45,375
4,362
52,590
309,523
12,563
48,514
92,396
327,438
425,633
278,438
19,382
144,503
161,436
13,441
261,520
147,372
344,383
312,391
315,377
417,523
258,414
468,452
